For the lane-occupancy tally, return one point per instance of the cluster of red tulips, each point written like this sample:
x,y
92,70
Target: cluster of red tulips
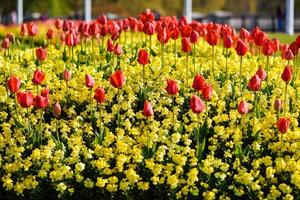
x,y
72,34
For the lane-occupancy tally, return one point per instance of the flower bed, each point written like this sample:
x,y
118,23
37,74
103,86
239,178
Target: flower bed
x,y
149,109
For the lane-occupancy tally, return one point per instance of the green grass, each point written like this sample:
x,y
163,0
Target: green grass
x,y
284,38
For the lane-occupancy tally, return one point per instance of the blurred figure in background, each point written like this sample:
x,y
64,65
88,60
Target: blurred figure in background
x,y
279,15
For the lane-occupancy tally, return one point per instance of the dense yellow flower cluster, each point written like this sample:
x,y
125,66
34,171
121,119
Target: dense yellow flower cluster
x,y
155,155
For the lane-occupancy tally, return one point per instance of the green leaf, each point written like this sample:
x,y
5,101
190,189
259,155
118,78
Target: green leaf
x,y
201,148
152,52
246,150
17,123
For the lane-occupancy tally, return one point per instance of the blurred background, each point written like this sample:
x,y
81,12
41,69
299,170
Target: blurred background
x,y
268,14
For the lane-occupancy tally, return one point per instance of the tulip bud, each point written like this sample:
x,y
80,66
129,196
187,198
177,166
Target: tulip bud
x,y
289,55
194,37
227,42
38,77
212,38
172,87
277,104
41,54
241,48
196,104
147,110
254,83
32,29
50,34
57,110
45,92
89,81
261,73
5,43
163,35
283,124
243,107
58,24
186,45
287,74
99,95
143,57
118,50
67,75
23,29
268,48
199,82
13,84
110,45
207,92
117,79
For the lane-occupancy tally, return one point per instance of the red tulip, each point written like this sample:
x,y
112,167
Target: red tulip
x,y
57,110
294,48
172,87
212,38
23,29
254,83
13,84
58,24
89,81
94,29
199,82
70,39
45,92
163,35
110,45
67,25
32,29
118,50
244,34
186,31
149,28
143,57
148,110
194,37
241,48
276,44
260,38
196,104
287,74
41,54
268,48
50,34
186,45
117,79
67,75
25,99
41,102
11,37
261,73
175,34
38,77
289,55
207,92
227,43
283,124
102,19
99,95
243,107
277,104
5,43
146,16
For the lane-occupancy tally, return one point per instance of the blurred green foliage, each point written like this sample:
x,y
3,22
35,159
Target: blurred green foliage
x,y
56,8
